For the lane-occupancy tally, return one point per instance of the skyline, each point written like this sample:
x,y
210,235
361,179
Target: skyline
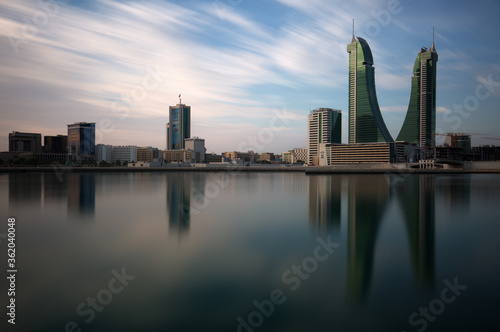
x,y
239,62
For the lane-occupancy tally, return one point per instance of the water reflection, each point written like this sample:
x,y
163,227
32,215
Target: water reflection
x,y
417,200
368,197
324,203
81,196
180,188
25,189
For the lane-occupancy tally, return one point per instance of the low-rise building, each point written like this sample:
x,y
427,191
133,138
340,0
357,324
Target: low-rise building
x,y
125,153
104,153
174,156
197,146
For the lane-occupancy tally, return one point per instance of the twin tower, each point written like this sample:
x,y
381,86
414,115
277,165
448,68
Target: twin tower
x,y
366,124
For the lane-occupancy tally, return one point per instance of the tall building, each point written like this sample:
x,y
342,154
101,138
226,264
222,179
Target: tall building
x,y
179,127
81,138
55,144
25,142
324,125
366,124
419,126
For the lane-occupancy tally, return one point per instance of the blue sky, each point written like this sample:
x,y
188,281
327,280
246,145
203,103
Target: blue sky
x,y
237,63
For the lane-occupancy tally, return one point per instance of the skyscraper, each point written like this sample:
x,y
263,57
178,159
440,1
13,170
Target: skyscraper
x,y
366,124
81,139
179,127
419,126
324,125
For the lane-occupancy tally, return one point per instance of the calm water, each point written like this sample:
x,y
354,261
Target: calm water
x,y
202,248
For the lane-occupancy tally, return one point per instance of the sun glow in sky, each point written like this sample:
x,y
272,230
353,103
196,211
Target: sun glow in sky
x,y
236,63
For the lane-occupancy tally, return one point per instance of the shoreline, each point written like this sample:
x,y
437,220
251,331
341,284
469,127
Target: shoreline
x,y
310,170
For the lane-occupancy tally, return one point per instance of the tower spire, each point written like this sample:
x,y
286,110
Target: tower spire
x,y
353,38
433,48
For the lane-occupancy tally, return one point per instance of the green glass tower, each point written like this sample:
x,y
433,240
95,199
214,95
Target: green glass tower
x,y
366,124
419,126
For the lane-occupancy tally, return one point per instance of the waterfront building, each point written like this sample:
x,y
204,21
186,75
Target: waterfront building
x,y
125,153
324,125
55,144
25,142
175,156
300,155
366,124
197,146
419,126
179,127
104,153
81,139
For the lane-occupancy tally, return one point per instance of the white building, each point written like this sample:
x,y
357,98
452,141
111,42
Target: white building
x,y
197,146
300,154
104,153
125,153
324,125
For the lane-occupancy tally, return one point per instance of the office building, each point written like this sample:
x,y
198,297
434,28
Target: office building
x,y
25,142
125,153
419,126
287,157
104,153
55,144
148,154
324,125
267,156
197,146
81,139
179,127
366,124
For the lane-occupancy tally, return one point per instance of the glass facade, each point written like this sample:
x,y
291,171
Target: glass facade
x,y
179,127
81,138
366,124
419,126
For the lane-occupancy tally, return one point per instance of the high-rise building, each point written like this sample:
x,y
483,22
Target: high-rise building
x,y
25,142
366,124
419,126
55,144
179,127
81,138
324,125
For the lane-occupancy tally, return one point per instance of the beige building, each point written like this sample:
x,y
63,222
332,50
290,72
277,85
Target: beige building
x,y
174,156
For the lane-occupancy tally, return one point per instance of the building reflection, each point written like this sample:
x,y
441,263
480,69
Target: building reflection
x,y
368,197
324,202
417,200
25,189
81,195
182,189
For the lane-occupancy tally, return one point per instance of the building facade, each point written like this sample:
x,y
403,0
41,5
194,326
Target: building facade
x,y
324,125
175,156
197,145
81,139
25,142
179,127
125,153
419,126
300,155
55,144
366,124
104,153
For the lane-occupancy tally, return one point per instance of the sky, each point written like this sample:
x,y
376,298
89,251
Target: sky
x,y
251,70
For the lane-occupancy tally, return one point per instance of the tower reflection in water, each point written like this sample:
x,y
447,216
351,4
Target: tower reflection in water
x,y
81,196
368,199
324,203
182,189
